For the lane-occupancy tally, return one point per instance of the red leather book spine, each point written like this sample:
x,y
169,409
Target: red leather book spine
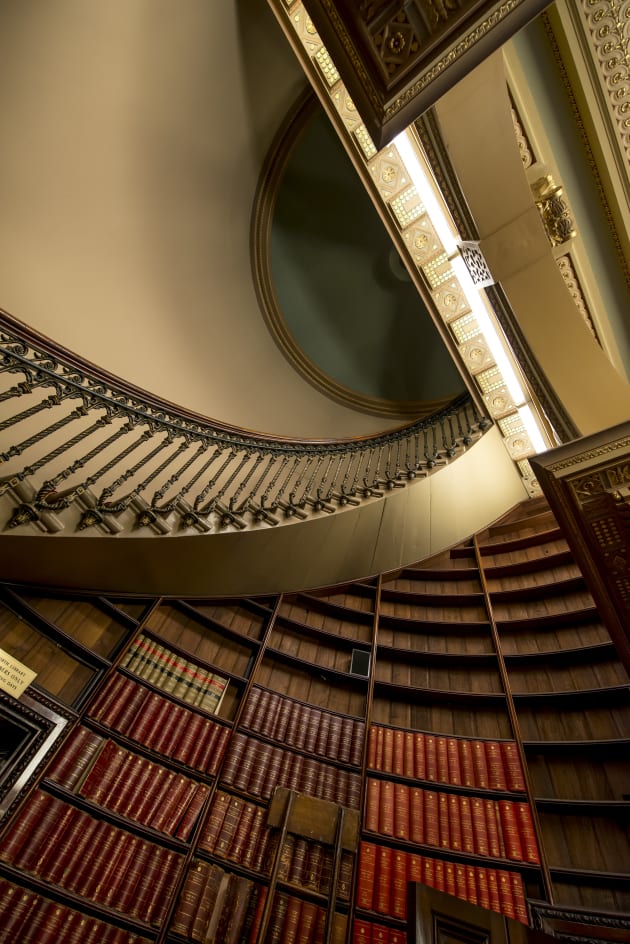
x,y
254,770
361,932
380,934
265,850
106,881
297,870
496,774
291,921
344,882
36,843
96,785
479,830
202,750
19,907
416,815
252,937
261,709
63,831
466,763
471,885
149,803
244,890
415,868
47,923
439,876
138,779
527,832
112,699
189,737
386,812
249,711
399,885
506,895
270,717
143,722
328,787
160,721
306,926
272,772
455,822
441,751
357,742
314,722
287,706
492,826
75,757
170,866
461,886
388,750
383,882
401,811
465,819
509,828
108,691
296,731
428,871
212,828
21,830
367,875
83,874
334,737
254,838
219,750
175,806
353,790
450,885
431,819
242,833
518,895
295,762
493,890
398,759
110,896
443,818
372,804
454,766
215,878
380,743
420,762
314,866
483,892
409,758
371,753
70,853
149,889
430,754
135,705
232,766
229,826
308,778
321,740
480,763
396,936
513,769
172,730
286,857
190,897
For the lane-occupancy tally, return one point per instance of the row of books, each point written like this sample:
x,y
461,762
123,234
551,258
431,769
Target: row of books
x,y
171,672
257,768
366,932
215,906
310,865
65,846
237,830
296,921
304,727
29,918
128,784
159,724
499,828
384,873
490,765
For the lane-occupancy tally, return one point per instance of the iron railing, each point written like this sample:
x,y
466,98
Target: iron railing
x,y
88,451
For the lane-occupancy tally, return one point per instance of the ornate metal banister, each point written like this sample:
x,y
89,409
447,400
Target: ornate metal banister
x,y
205,474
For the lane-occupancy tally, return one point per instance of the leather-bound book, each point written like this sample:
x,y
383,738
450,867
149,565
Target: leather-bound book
x,y
367,875
74,757
512,765
383,882
510,830
496,774
481,844
399,885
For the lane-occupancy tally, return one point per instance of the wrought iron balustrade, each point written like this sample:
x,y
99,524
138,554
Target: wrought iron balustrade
x,y
81,450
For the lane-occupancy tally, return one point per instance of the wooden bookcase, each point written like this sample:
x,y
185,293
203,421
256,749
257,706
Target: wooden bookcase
x,y
482,749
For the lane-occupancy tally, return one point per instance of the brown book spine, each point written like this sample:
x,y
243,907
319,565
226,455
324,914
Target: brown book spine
x,y
314,866
467,765
454,766
367,875
386,811
357,742
492,826
383,882
70,852
399,885
212,828
344,882
327,784
294,725
353,789
107,879
388,750
46,923
496,774
21,830
455,823
441,751
270,717
232,766
149,892
111,700
175,806
252,937
431,818
191,815
287,706
306,926
380,741
372,804
401,811
127,886
480,764
19,906
172,730
443,818
135,705
254,838
127,855
249,711
298,867
483,892
420,761
295,763
493,890
265,850
291,921
170,865
512,765
139,774
334,737
506,894
286,857
191,895
188,738
219,750
398,758
479,828
321,741
142,724
416,815
82,875
509,828
254,767
527,832
216,879
42,829
211,749
314,722
65,827
308,778
244,889
272,772
98,782
228,827
518,895
74,758
371,754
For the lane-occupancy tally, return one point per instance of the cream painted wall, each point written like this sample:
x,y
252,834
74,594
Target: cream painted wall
x,y
132,136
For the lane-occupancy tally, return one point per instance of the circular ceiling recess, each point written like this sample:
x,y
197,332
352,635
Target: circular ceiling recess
x,y
334,292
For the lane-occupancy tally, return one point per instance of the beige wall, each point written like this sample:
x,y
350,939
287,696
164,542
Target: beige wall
x,y
132,136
